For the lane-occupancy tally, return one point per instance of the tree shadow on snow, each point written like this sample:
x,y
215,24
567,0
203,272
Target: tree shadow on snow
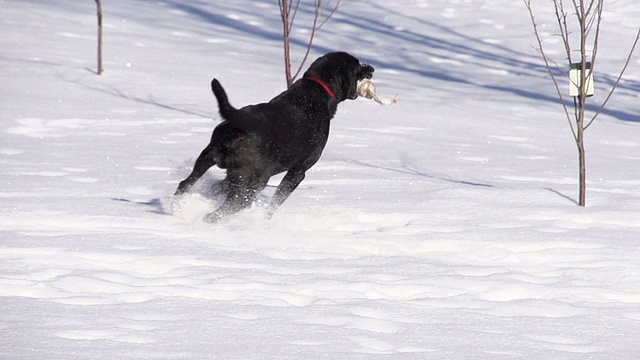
x,y
566,197
415,50
434,176
450,45
477,54
114,91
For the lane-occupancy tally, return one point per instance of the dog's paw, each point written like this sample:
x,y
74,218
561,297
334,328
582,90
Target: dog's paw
x,y
188,206
270,210
213,217
170,205
184,187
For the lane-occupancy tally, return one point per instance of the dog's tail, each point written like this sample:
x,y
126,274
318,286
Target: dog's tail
x,y
227,111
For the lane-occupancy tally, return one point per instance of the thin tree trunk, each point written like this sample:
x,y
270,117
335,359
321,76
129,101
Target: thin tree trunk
x,y
99,10
582,86
577,121
582,157
284,7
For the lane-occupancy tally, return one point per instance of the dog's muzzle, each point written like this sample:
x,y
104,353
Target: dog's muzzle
x,y
365,72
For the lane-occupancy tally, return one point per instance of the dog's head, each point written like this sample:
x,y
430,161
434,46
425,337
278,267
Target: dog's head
x,y
341,71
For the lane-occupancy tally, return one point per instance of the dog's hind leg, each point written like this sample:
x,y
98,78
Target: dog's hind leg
x,y
204,162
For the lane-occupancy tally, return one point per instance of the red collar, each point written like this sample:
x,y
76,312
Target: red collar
x,y
323,84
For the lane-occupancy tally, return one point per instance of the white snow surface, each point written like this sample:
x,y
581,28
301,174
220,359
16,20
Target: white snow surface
x,y
443,227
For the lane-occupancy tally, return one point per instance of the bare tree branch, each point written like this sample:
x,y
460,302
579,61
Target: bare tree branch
x,y
596,41
293,16
335,8
288,14
548,66
561,16
576,7
314,28
591,6
615,85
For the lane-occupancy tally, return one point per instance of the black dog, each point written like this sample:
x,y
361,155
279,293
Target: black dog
x,y
286,134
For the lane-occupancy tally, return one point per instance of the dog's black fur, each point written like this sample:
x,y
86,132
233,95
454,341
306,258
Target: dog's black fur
x,y
286,134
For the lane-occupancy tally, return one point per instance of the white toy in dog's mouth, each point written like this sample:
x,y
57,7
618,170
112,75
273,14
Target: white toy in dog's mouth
x,y
367,90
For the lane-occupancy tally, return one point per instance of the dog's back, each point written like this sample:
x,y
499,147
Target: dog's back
x,y
285,131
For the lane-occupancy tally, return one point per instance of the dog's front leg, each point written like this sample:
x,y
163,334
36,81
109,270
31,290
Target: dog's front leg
x,y
289,183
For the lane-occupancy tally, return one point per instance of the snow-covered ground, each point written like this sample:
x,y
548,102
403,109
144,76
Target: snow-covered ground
x,y
444,227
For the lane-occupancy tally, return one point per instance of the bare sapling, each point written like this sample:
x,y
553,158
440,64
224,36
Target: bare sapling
x,y
99,13
588,16
323,11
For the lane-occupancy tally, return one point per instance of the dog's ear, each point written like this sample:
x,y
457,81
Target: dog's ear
x,y
354,73
348,71
351,85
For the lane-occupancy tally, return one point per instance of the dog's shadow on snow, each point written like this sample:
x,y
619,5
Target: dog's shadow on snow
x,y
209,190
154,205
